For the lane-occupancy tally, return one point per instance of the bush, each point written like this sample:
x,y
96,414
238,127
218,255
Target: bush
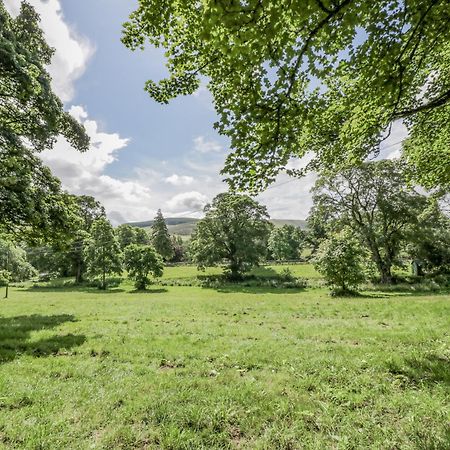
x,y
340,261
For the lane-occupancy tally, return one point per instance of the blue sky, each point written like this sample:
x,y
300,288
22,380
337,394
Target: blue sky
x,y
143,155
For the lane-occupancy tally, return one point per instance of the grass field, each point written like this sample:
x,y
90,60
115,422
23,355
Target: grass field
x,y
193,368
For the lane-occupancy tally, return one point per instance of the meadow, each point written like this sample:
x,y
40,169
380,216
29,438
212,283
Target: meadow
x,y
180,367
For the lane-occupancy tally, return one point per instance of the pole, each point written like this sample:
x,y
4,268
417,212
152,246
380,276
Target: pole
x,y
7,273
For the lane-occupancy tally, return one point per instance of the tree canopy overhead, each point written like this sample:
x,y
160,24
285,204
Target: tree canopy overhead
x,y
326,76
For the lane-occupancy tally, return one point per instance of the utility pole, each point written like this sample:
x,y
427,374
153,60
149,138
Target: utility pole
x,y
7,272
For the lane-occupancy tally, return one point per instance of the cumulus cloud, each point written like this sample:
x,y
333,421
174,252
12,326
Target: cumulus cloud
x,y
72,51
203,145
187,202
179,180
84,173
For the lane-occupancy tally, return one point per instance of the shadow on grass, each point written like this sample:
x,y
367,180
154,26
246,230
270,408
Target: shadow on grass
x,y
242,289
15,333
74,288
428,369
149,291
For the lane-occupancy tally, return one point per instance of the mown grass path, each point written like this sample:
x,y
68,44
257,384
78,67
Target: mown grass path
x,y
193,368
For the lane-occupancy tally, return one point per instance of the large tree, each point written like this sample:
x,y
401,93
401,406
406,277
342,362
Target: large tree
x,y
160,237
327,76
374,201
32,204
235,231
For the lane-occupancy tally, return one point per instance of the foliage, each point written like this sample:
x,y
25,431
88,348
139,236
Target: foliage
x,y
286,242
179,251
340,261
235,230
139,261
327,77
429,245
32,204
14,263
127,235
160,237
89,210
66,258
141,237
102,254
375,201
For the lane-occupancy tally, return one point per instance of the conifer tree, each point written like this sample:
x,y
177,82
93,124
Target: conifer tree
x,y
103,256
161,237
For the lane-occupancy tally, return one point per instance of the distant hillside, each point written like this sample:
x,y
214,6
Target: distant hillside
x,y
184,226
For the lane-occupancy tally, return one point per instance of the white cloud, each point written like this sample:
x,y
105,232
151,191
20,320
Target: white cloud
x,y
84,173
179,180
72,51
187,202
202,145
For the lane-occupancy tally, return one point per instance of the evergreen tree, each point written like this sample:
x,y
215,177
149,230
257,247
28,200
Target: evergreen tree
x,y
103,256
161,238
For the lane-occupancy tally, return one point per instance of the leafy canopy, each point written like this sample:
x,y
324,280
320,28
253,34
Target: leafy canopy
x,y
14,263
286,242
326,76
235,231
376,203
340,261
32,205
140,261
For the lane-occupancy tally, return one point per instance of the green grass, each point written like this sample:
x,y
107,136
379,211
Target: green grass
x,y
185,272
193,368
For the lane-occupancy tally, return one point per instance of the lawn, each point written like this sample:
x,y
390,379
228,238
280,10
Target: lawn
x,y
193,368
297,270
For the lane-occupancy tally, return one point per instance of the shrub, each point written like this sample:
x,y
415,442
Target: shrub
x,y
340,261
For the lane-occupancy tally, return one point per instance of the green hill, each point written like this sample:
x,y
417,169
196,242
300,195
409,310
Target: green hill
x,y
184,226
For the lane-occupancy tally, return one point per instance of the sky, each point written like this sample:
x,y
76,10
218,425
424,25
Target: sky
x,y
143,156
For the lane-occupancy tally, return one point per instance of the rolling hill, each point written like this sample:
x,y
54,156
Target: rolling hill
x,y
184,226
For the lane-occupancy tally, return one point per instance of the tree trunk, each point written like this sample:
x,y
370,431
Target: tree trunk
x,y
79,275
104,280
385,272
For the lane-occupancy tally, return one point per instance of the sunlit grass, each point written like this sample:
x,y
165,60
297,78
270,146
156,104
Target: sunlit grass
x,y
188,368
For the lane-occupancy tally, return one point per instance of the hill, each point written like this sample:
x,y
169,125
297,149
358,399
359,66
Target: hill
x,y
184,226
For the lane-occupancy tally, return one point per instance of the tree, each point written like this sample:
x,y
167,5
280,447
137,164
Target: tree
x,y
322,76
375,202
140,260
13,260
339,260
66,258
141,236
125,235
32,205
179,251
103,256
89,210
160,237
235,230
429,245
286,242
